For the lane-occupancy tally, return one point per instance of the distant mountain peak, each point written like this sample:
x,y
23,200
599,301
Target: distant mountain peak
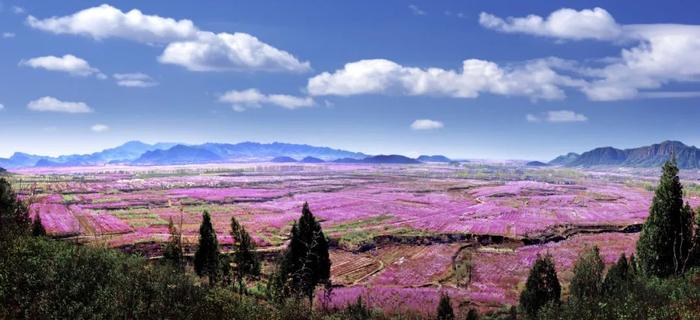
x,y
687,157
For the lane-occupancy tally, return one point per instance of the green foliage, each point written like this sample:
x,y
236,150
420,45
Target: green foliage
x,y
444,309
472,314
305,263
587,283
14,215
173,253
37,228
665,239
542,287
206,258
619,279
45,279
245,259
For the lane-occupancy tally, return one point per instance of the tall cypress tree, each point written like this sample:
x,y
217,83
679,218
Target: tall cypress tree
x,y
206,259
587,283
14,215
244,257
306,262
542,287
173,249
444,309
38,228
665,239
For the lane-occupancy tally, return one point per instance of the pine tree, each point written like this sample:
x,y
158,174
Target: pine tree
x,y
473,314
38,228
542,287
306,262
444,309
694,254
665,239
618,280
206,259
14,215
173,249
587,283
244,257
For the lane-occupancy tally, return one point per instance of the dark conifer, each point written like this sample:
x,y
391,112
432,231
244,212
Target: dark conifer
x,y
542,287
206,259
444,309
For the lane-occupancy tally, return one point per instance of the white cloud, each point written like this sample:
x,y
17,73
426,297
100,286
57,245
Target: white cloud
x,y
51,104
134,80
68,63
18,10
426,124
2,107
660,53
99,128
252,98
186,45
230,52
557,116
416,10
564,23
535,79
8,35
106,21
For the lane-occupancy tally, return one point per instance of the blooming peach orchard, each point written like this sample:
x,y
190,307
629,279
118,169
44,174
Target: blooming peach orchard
x,y
401,234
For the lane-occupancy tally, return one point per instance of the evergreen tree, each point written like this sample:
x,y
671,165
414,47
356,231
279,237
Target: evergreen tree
x,y
244,257
444,309
618,279
305,263
542,287
206,259
694,254
587,283
14,215
173,249
38,228
473,314
666,236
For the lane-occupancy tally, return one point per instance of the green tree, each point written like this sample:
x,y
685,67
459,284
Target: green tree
x,y
666,235
206,259
542,287
587,281
38,228
245,258
14,215
472,314
694,254
444,309
173,253
305,263
618,280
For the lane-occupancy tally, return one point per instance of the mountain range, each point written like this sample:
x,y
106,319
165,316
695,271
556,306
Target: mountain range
x,y
139,153
687,157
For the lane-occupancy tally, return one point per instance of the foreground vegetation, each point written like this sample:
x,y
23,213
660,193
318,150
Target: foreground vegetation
x,y
45,279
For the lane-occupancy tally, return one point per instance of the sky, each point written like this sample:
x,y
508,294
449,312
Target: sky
x,y
467,79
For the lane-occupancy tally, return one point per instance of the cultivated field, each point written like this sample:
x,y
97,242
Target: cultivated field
x,y
401,234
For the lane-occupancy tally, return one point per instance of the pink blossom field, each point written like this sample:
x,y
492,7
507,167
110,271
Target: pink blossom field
x,y
398,232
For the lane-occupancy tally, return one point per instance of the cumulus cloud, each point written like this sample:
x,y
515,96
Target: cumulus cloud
x,y
68,63
186,45
51,104
416,10
230,52
564,23
134,80
2,107
18,10
535,79
252,98
99,128
557,116
8,35
426,124
657,54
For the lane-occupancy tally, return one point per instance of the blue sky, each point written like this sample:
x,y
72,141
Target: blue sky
x,y
477,79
